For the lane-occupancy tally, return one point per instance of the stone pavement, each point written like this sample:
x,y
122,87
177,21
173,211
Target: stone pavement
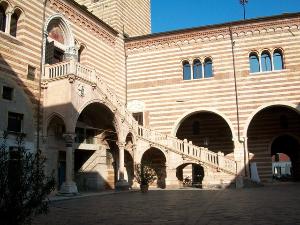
x,y
272,204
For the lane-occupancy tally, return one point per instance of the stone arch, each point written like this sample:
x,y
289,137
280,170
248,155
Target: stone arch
x,y
55,148
156,159
269,124
80,109
284,104
190,171
49,119
7,4
64,25
16,21
198,110
62,39
141,151
289,145
130,142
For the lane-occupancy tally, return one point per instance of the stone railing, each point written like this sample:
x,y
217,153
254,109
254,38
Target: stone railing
x,y
185,148
88,74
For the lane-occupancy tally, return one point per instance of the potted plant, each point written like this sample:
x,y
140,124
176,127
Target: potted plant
x,y
144,175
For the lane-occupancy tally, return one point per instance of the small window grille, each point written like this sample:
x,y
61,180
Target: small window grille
x,y
7,93
31,72
14,123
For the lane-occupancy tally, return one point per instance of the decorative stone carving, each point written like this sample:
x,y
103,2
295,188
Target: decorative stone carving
x,y
44,84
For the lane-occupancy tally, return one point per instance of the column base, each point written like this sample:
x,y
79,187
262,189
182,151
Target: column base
x,y
122,185
68,188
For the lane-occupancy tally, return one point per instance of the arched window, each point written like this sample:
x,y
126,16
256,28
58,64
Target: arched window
x,y
266,63
278,59
208,68
186,70
14,22
80,53
2,18
254,63
197,69
60,43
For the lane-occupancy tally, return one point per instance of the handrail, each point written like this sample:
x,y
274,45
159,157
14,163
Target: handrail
x,y
186,148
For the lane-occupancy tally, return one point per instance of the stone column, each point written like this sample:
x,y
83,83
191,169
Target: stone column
x,y
171,179
247,163
121,184
69,186
7,25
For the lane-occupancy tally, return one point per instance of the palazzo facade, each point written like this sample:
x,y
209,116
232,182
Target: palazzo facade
x,y
90,86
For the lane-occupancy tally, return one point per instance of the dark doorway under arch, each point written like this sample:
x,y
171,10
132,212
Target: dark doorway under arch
x,y
207,129
156,159
290,146
190,174
274,129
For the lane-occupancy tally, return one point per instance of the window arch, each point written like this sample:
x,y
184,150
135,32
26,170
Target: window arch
x,y
197,69
254,63
266,63
278,59
14,22
60,43
208,68
81,53
186,70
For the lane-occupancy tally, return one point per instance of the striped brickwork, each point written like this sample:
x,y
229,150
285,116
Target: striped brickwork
x,y
134,15
16,54
104,48
154,69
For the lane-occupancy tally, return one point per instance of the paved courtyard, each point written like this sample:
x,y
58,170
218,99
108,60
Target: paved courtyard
x,y
273,204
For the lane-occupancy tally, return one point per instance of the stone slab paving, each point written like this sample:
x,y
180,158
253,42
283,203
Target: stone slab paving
x,y
273,204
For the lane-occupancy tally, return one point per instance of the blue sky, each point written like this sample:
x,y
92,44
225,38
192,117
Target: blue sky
x,y
175,14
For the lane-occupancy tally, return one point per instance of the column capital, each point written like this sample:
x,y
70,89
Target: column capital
x,y
69,138
8,13
121,144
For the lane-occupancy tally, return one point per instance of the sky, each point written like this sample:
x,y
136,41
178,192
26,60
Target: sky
x,y
167,15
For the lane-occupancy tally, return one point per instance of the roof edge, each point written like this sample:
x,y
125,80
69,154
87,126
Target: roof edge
x,y
85,10
227,24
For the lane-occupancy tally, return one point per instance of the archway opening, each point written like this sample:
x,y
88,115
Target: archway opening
x,y
207,129
56,154
190,174
273,130
129,168
128,159
156,159
15,22
3,8
285,151
96,150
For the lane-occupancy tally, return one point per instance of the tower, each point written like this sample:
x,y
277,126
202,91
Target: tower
x,y
131,17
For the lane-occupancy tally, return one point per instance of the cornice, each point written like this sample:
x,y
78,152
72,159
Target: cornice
x,y
211,33
89,24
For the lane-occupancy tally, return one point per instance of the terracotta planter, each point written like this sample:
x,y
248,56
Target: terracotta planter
x,y
144,188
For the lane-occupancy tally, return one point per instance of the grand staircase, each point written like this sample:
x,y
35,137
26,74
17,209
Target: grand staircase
x,y
182,147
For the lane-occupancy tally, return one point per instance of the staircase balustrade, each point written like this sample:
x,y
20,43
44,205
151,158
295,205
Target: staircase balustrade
x,y
183,147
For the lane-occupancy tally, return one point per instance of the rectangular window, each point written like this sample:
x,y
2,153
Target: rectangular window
x,y
139,118
15,122
31,72
7,93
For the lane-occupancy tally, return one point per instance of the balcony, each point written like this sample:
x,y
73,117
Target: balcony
x,y
61,69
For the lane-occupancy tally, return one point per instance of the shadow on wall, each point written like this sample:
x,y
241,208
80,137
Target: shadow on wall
x,y
18,104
